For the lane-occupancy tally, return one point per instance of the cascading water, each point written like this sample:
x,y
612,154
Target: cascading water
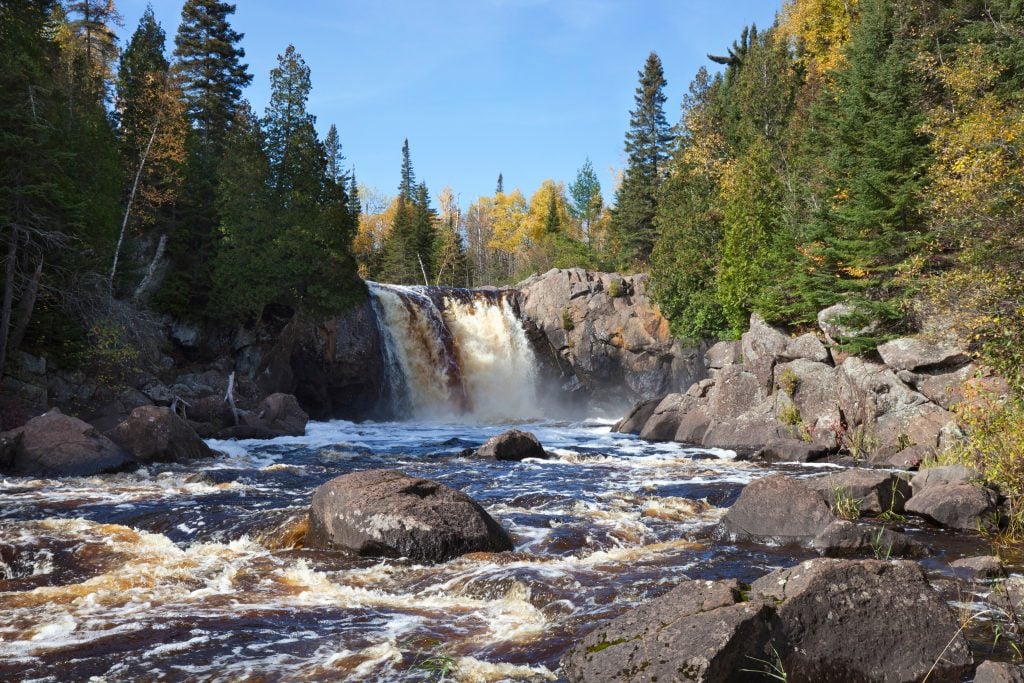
x,y
454,353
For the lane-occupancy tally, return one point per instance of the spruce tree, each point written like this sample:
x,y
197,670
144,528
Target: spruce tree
x,y
500,188
647,146
332,150
407,185
587,202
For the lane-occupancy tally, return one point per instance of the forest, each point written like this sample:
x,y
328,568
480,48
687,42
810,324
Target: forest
x,y
856,151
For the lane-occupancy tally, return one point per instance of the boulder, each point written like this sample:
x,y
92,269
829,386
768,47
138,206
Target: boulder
x,y
281,414
778,509
863,620
722,354
735,392
981,567
876,491
155,434
747,433
916,354
762,346
693,426
512,445
998,672
635,420
664,421
813,388
57,445
909,458
387,513
946,474
837,324
791,450
185,334
968,507
844,538
944,388
699,631
806,347
700,389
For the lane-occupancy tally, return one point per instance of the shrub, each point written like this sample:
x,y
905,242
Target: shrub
x,y
788,381
567,322
790,415
615,288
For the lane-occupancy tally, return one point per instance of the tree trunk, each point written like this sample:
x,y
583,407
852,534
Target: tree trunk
x,y
8,300
140,291
25,308
131,199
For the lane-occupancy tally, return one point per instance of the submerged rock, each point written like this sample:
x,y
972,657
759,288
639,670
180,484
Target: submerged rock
x,y
387,513
512,445
700,631
57,445
866,620
155,434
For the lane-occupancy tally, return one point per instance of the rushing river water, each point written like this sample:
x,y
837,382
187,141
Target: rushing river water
x,y
185,572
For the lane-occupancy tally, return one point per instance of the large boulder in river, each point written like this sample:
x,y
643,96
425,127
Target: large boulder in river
x,y
387,513
866,620
968,507
155,434
779,509
57,445
512,445
700,631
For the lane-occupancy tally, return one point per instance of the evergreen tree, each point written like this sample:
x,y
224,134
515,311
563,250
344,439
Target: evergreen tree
x,y
355,207
407,186
332,150
500,189
209,60
647,146
587,202
296,157
93,22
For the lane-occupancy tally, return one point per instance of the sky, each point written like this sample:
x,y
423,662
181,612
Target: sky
x,y
526,88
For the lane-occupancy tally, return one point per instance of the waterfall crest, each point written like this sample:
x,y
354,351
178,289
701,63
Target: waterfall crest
x,y
454,353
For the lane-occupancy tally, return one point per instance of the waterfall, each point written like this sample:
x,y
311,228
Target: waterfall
x,y
454,353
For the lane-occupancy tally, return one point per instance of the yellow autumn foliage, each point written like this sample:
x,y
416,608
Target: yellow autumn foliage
x,y
820,29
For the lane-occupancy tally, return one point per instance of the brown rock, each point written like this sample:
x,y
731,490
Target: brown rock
x,y
57,445
155,434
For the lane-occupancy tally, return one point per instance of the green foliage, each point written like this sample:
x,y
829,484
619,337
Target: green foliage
x,y
788,382
568,324
789,415
844,505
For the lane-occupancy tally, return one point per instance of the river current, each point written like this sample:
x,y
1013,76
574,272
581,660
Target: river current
x,y
189,572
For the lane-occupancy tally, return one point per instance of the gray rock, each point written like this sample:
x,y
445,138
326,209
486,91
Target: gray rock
x,y
843,538
806,347
697,632
723,353
158,393
735,392
185,334
57,445
981,567
943,387
512,445
693,426
763,345
947,474
902,458
791,450
22,363
387,513
664,422
155,434
282,415
998,672
635,420
968,507
863,620
700,389
916,354
779,509
876,490
815,392
836,328
748,432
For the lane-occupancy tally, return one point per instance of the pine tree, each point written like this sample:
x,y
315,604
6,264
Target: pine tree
x,y
93,22
500,188
355,207
587,202
407,186
296,156
647,146
332,150
209,60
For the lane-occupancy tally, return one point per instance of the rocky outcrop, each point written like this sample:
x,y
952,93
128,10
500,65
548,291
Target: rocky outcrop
x,y
155,434
700,631
868,620
607,339
770,387
823,620
387,513
57,445
512,445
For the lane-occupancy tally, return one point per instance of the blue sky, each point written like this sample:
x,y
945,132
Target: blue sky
x,y
527,88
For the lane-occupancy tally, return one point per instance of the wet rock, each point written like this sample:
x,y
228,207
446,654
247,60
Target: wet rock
x,y
57,445
747,433
844,538
968,507
906,459
155,434
778,509
863,620
981,567
512,445
387,513
946,474
791,450
916,354
281,414
635,420
693,426
722,354
998,672
663,423
876,491
697,632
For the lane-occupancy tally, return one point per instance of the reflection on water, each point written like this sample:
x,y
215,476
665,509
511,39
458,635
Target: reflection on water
x,y
191,573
